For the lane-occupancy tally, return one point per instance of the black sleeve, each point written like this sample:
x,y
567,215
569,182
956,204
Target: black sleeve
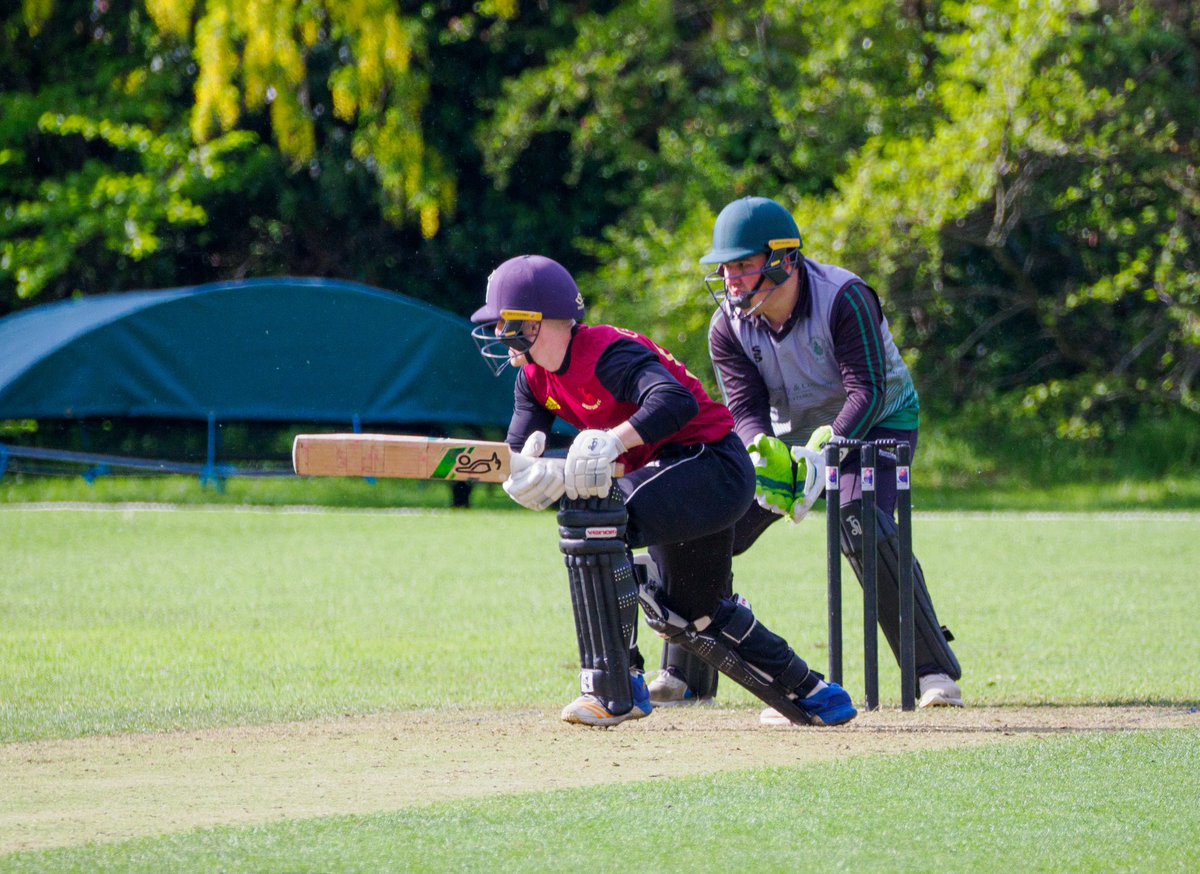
x,y
634,374
741,384
858,347
528,415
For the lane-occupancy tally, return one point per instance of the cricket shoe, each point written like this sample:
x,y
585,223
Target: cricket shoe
x,y
669,689
830,706
589,710
938,690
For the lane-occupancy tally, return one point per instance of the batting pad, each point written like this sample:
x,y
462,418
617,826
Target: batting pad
x,y
603,596
738,646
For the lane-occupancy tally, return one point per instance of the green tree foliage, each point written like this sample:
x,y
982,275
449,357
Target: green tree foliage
x,y
1041,240
1018,180
182,140
102,186
684,106
316,138
359,60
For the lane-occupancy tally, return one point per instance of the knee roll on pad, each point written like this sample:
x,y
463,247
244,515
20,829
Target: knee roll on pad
x,y
603,595
933,639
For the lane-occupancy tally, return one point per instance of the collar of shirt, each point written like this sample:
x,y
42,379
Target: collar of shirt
x,y
566,362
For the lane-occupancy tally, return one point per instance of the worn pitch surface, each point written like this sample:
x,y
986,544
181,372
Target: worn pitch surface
x,y
65,793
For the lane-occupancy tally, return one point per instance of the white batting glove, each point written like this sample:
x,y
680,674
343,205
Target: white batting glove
x,y
589,464
535,482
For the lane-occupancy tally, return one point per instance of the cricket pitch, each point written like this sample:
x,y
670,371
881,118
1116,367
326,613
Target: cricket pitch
x,y
106,789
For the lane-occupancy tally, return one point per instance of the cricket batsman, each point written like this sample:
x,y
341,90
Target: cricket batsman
x,y
687,480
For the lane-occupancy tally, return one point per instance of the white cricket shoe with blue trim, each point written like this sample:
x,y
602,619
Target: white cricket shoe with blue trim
x,y
588,709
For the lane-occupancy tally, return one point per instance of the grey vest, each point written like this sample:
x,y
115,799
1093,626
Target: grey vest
x,y
801,373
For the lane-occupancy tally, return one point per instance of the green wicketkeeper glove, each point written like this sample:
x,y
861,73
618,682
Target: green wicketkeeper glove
x,y
774,474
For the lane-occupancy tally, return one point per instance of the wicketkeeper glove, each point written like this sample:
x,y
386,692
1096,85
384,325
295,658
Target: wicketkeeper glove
x,y
589,463
774,474
535,482
810,471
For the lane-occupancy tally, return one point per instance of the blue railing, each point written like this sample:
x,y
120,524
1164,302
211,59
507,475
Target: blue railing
x,y
97,464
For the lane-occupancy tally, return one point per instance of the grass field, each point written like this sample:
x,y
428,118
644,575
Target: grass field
x,y
942,492
225,689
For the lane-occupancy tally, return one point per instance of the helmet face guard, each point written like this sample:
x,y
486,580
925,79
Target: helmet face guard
x,y
521,293
514,332
782,257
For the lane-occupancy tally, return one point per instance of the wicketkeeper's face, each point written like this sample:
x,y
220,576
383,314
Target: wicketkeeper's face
x,y
743,278
743,274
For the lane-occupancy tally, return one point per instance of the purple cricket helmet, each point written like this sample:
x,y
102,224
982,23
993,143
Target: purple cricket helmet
x,y
525,289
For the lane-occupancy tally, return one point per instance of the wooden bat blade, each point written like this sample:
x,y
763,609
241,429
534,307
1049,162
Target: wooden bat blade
x,y
397,456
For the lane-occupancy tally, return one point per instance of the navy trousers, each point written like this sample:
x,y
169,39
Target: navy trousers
x,y
683,507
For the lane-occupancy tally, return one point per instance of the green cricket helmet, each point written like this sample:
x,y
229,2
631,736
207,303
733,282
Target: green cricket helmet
x,y
747,227
752,226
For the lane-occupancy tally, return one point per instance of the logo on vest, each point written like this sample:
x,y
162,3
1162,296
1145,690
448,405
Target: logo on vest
x,y
552,404
590,401
817,348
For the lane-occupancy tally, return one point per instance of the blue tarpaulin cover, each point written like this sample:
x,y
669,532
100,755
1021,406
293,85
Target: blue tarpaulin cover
x,y
281,350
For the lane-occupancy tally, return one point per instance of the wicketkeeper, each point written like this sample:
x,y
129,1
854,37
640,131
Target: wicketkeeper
x,y
687,479
802,352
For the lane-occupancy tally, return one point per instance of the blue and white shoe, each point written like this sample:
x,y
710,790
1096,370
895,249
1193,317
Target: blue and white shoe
x,y
830,706
668,689
588,709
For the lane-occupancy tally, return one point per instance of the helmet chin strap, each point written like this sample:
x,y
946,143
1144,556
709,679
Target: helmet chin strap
x,y
741,305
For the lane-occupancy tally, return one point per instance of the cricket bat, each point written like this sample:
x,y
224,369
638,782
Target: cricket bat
x,y
398,456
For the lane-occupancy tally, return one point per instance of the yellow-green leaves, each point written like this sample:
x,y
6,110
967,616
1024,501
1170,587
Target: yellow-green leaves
x,y
35,13
255,56
173,17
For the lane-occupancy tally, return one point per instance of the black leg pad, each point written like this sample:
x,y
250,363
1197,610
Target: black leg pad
x,y
700,676
735,643
603,595
933,639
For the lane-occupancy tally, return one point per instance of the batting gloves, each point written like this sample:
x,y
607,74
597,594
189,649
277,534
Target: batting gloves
x,y
774,474
535,482
589,464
